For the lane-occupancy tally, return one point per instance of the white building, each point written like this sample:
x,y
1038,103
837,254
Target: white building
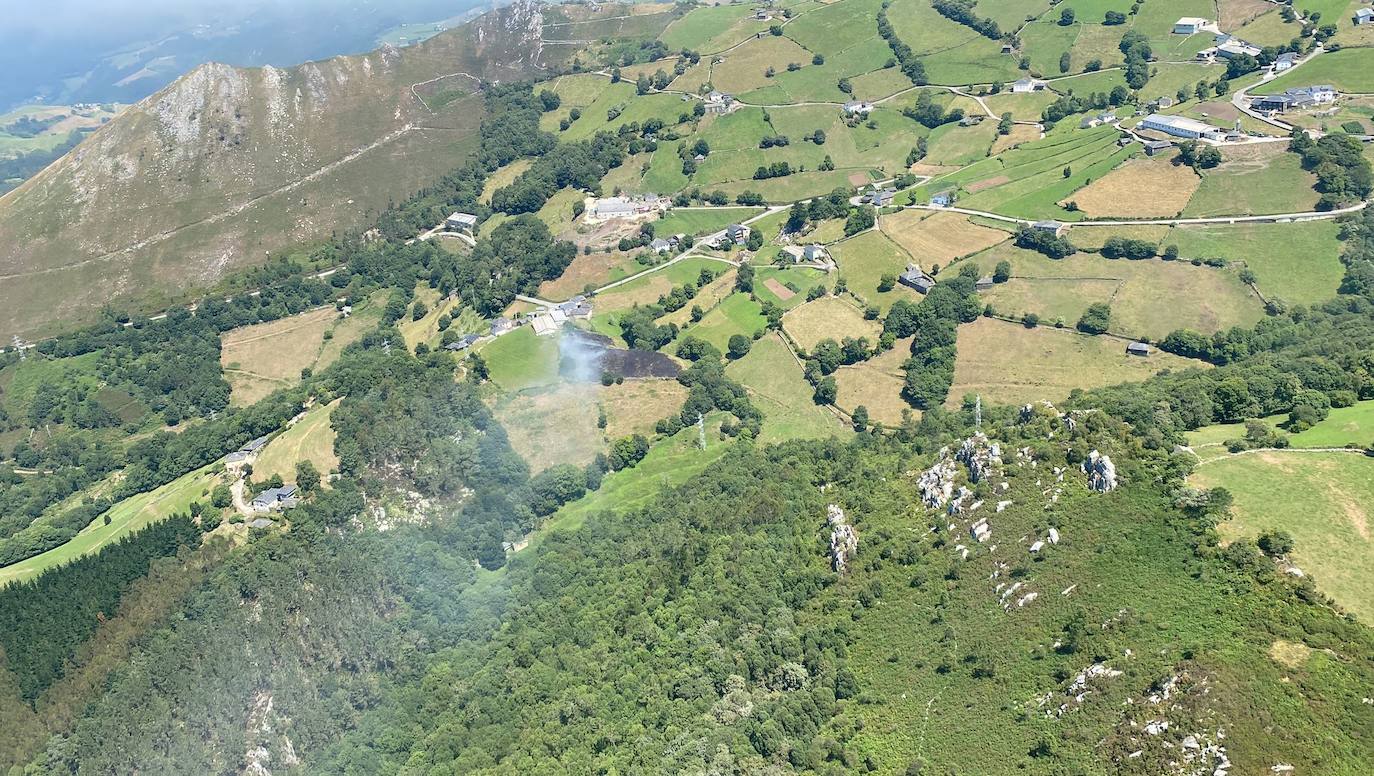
x,y
608,208
1182,126
461,222
858,108
1189,25
1285,61
1364,16
1026,85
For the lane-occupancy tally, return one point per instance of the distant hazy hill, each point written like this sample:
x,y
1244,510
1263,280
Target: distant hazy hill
x,y
227,163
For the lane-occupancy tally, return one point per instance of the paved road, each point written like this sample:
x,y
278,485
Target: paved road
x,y
1311,215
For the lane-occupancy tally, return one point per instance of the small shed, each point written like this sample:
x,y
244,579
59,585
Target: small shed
x,y
1138,349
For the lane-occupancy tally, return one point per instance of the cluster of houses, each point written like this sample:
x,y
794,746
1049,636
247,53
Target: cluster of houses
x,y
721,103
1105,117
812,253
879,197
274,500
733,234
669,244
1293,99
615,208
921,281
857,108
551,319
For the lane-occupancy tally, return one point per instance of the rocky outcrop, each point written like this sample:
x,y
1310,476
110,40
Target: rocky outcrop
x,y
844,542
1101,472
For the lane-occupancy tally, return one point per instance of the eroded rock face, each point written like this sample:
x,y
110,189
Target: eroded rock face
x,y
844,542
1101,472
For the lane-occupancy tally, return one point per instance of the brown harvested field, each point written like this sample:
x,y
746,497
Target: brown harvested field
x,y
858,180
783,292
1235,13
1144,187
596,269
827,318
939,237
1020,133
1007,363
876,384
503,177
634,406
986,183
261,358
932,170
552,425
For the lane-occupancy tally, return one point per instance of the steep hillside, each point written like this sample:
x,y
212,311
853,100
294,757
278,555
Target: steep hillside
x,y
227,164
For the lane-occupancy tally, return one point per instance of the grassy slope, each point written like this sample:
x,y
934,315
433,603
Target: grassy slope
x,y
775,382
1322,499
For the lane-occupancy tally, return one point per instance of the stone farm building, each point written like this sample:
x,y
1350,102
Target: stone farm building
x,y
275,499
915,278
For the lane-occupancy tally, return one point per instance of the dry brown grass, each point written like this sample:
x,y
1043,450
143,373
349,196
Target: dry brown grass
x,y
552,425
261,358
939,237
782,292
503,177
634,406
829,317
1235,13
1292,654
1010,364
877,385
930,169
310,439
1144,187
1020,133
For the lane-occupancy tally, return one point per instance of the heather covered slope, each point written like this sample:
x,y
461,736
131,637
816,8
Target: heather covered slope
x,y
227,164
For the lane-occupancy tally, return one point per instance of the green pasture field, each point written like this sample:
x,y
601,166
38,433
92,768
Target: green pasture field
x,y
744,68
954,145
1322,499
776,385
738,314
699,221
804,278
1170,77
665,171
712,29
1299,262
1349,70
1255,184
126,517
835,28
864,259
1203,298
521,360
1269,30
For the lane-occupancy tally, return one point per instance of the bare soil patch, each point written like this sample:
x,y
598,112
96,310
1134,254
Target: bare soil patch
x,y
1020,133
987,183
782,292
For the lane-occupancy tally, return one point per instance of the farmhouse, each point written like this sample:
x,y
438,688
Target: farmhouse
x,y
461,222
1162,103
1026,85
720,102
1190,25
1182,126
661,245
1138,349
1053,227
1089,122
275,499
1235,47
916,278
1296,98
858,108
984,283
1285,61
501,326
943,199
1364,16
463,343
879,198
577,307
247,451
811,252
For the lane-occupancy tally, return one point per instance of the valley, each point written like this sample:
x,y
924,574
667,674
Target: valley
x,y
806,387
